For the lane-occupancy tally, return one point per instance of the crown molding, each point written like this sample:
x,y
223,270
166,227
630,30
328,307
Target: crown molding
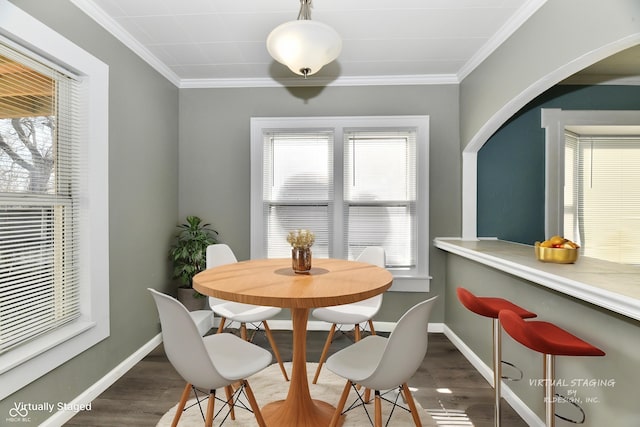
x,y
433,79
109,24
510,27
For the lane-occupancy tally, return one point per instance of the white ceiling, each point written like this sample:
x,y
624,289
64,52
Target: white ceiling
x,y
213,43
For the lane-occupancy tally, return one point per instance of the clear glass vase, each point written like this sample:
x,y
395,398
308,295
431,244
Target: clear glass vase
x,y
301,260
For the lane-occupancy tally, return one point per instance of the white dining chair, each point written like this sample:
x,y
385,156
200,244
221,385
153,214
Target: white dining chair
x,y
209,363
378,363
203,320
354,313
221,254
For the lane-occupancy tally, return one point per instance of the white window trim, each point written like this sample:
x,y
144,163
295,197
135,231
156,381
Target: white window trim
x,y
29,362
416,281
554,121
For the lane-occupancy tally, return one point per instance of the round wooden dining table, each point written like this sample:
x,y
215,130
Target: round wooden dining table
x,y
272,282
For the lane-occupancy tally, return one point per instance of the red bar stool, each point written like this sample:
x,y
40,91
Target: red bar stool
x,y
550,340
491,307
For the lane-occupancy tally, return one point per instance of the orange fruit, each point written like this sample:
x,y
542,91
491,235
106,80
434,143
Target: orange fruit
x,y
557,240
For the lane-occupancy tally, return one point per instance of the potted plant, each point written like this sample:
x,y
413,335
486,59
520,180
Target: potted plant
x,y
188,254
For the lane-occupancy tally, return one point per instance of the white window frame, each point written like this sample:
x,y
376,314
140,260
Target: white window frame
x,y
30,361
413,280
554,121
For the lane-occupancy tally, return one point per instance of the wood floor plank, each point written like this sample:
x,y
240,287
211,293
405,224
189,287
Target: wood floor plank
x,y
141,396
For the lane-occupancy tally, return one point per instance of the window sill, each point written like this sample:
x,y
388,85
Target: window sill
x,y
30,361
615,287
406,283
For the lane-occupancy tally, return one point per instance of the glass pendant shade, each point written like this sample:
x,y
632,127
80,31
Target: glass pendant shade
x,y
304,46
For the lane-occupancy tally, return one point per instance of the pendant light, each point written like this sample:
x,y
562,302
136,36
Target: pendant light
x,y
303,45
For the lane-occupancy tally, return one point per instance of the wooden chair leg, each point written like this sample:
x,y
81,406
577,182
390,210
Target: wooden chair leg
x,y
412,405
254,404
340,405
223,320
208,421
243,331
274,347
367,395
229,390
373,331
183,402
325,350
357,332
378,409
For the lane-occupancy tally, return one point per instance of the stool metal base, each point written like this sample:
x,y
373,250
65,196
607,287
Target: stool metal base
x,y
497,370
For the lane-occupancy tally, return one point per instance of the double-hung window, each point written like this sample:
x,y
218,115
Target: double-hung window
x,y
54,264
353,181
39,199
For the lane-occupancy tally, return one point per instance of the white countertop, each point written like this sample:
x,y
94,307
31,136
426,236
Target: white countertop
x,y
613,286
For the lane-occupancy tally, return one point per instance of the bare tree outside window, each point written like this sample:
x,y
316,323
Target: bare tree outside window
x,y
26,154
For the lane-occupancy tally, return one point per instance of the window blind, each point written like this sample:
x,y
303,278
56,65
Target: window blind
x,y
298,188
39,187
607,195
380,193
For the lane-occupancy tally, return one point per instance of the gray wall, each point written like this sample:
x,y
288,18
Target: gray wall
x,y
215,164
143,194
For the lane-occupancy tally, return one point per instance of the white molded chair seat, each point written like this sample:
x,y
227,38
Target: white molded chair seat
x,y
350,314
245,313
221,254
213,362
379,363
354,313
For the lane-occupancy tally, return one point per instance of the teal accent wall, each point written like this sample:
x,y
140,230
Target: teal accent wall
x,y
511,164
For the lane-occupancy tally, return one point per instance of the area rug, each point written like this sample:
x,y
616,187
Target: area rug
x,y
269,386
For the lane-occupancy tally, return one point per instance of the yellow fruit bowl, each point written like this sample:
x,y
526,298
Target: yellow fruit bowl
x,y
556,255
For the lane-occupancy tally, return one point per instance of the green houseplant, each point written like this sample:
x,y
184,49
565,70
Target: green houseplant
x,y
188,251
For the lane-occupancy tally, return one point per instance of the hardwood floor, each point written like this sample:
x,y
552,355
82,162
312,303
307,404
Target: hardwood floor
x,y
152,387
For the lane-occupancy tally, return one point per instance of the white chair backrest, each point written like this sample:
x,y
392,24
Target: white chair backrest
x,y
373,255
183,344
219,254
405,349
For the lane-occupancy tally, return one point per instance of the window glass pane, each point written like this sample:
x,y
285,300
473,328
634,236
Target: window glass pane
x,y
27,129
392,227
379,166
298,167
284,218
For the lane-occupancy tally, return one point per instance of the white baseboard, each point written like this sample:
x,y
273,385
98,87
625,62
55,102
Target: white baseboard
x,y
84,399
486,371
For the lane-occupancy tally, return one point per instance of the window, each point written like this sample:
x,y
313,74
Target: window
x,y
354,181
592,181
54,276
602,194
38,200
